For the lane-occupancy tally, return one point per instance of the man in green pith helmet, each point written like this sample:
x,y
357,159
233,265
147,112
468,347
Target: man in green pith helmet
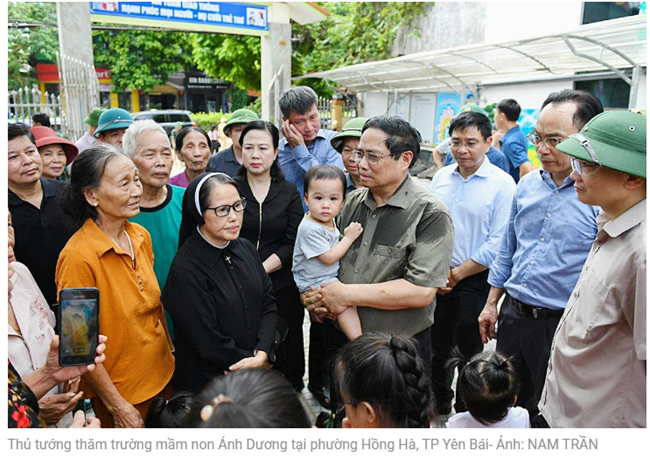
x,y
229,160
112,125
345,142
92,121
596,377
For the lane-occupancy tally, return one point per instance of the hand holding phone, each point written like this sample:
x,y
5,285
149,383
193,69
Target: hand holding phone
x,y
78,326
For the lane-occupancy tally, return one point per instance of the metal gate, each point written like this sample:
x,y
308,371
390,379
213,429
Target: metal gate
x,y
78,95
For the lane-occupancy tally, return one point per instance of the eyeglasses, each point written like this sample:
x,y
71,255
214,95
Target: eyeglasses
x,y
581,167
372,158
551,142
224,210
584,142
455,144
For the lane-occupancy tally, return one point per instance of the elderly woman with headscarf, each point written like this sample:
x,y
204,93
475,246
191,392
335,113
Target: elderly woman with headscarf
x,y
116,256
219,296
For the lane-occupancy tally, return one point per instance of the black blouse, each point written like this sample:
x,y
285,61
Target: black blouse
x,y
222,307
273,229
41,234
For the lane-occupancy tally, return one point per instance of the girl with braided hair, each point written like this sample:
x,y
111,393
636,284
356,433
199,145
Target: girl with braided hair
x,y
384,384
488,385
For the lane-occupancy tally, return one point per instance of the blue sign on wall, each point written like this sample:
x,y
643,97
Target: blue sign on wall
x,y
240,17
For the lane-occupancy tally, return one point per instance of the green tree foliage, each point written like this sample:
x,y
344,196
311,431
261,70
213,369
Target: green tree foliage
x,y
489,109
233,58
141,58
238,98
24,44
207,120
354,32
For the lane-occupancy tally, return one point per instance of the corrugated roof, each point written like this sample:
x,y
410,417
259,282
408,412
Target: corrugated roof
x,y
605,46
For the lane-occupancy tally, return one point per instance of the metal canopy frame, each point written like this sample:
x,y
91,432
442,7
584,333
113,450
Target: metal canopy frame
x,y
616,46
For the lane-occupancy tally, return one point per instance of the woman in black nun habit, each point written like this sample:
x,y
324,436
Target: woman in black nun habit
x,y
217,292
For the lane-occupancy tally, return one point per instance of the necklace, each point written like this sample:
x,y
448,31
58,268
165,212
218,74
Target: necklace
x,y
130,246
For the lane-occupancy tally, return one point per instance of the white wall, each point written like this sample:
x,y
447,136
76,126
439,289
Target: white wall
x,y
444,25
507,21
373,104
529,96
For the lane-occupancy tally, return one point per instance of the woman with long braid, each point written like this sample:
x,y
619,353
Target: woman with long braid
x,y
384,384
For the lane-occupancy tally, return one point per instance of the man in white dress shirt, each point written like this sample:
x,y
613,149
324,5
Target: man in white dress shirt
x,y
479,196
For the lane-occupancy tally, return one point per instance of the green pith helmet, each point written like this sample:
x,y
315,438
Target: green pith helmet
x,y
471,107
241,116
614,139
93,116
114,118
352,128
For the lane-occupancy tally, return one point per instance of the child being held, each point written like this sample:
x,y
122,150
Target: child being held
x,y
318,250
488,385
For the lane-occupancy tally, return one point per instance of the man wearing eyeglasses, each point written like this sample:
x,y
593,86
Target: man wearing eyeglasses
x,y
597,372
393,270
546,242
479,196
510,139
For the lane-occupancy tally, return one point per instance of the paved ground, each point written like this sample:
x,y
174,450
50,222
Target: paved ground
x,y
314,408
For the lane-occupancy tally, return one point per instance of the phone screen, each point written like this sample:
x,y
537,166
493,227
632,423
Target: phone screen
x,y
78,325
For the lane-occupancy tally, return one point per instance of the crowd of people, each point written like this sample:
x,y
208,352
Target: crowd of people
x,y
205,277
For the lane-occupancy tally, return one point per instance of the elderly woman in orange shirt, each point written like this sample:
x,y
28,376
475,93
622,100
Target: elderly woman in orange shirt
x,y
114,255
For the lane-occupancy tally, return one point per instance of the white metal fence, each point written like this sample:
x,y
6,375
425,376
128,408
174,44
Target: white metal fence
x,y
25,102
79,87
78,95
324,105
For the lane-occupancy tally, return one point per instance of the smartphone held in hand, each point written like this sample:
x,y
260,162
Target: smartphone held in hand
x,y
78,326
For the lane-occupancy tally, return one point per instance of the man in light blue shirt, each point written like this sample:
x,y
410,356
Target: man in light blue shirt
x,y
478,195
304,144
547,240
510,139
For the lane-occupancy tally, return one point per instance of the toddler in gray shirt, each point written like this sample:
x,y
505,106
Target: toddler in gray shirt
x,y
318,250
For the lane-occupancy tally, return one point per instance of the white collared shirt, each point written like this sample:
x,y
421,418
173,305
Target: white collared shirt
x,y
480,207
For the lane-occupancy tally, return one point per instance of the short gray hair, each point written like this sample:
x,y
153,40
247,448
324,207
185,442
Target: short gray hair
x,y
130,140
297,99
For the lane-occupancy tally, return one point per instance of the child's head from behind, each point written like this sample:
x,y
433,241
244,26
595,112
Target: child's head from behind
x,y
324,191
248,398
383,382
488,384
169,414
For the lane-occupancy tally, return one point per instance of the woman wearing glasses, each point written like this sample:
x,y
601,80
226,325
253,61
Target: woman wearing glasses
x,y
218,294
271,218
